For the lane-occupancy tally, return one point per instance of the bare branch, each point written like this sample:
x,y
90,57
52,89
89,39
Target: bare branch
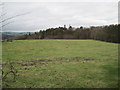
x,y
4,21
3,15
6,24
13,17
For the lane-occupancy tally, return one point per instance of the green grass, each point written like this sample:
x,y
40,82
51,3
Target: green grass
x,y
101,72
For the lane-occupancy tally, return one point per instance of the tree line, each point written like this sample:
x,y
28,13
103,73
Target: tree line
x,y
108,33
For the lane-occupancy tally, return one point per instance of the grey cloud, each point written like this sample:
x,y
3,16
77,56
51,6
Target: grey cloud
x,y
46,15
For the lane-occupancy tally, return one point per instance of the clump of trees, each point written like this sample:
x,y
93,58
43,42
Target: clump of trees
x,y
108,33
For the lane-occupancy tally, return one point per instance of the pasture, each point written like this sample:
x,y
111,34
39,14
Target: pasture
x,y
61,64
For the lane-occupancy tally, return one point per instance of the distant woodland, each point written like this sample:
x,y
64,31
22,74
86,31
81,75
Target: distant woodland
x,y
108,33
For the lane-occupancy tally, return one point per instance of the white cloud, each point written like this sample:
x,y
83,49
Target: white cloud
x,y
53,14
59,0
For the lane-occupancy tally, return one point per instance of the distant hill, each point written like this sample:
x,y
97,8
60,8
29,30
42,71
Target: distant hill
x,y
6,35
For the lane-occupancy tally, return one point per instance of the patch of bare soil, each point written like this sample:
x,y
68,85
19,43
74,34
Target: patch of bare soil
x,y
43,61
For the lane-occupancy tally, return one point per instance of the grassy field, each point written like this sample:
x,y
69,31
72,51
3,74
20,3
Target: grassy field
x,y
61,64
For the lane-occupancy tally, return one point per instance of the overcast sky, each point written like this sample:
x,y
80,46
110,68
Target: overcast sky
x,y
43,15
